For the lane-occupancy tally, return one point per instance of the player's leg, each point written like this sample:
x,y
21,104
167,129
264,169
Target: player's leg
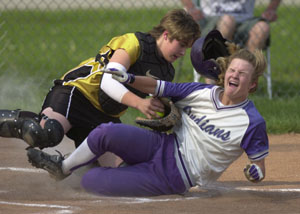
x,y
11,122
44,130
137,180
226,25
133,144
208,24
157,176
85,117
258,36
252,33
26,125
153,171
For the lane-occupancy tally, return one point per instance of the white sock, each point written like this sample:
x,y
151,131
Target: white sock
x,y
80,156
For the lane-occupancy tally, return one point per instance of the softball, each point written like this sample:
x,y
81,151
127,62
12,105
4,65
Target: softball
x,y
161,114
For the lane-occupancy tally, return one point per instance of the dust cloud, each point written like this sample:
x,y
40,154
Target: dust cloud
x,y
19,92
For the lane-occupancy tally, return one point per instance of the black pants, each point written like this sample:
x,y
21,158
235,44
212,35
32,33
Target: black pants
x,y
82,115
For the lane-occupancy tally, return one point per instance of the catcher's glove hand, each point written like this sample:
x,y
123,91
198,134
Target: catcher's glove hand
x,y
171,117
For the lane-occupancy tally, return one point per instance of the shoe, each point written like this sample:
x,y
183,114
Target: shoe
x,y
50,163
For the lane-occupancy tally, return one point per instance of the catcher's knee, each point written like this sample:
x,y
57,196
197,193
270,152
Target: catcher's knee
x,y
29,129
36,136
54,132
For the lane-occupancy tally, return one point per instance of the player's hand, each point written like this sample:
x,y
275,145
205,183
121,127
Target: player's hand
x,y
253,173
121,76
150,106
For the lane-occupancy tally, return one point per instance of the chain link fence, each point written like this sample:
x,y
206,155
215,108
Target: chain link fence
x,y
42,39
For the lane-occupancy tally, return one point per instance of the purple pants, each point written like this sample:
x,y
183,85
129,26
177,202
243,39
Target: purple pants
x,y
152,171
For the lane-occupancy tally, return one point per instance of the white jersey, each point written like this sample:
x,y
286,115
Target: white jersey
x,y
241,10
211,135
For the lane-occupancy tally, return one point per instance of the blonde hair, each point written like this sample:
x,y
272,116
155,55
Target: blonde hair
x,y
255,58
180,26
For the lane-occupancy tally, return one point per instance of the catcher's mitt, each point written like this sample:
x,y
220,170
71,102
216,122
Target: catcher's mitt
x,y
172,117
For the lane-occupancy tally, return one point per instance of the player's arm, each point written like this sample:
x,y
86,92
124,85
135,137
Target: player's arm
x,y
270,13
192,9
142,83
120,61
146,85
255,171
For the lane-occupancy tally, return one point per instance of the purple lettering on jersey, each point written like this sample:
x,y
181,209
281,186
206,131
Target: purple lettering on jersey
x,y
187,110
202,125
206,127
198,120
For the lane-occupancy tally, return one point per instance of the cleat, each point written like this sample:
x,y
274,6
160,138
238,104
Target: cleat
x,y
51,163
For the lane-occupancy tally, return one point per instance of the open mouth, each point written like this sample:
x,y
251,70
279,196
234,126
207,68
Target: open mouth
x,y
233,84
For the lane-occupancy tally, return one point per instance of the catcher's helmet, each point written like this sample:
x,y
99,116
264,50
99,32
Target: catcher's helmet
x,y
204,52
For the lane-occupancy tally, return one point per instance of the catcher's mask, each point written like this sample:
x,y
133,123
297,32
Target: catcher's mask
x,y
205,51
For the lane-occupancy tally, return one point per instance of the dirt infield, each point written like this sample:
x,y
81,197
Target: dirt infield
x,y
24,189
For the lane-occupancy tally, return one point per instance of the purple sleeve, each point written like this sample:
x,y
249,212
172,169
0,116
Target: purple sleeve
x,y
178,91
255,141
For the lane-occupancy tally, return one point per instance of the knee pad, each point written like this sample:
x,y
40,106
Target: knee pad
x,y
8,123
54,131
11,122
26,126
36,136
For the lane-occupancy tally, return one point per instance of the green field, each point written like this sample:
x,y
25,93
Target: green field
x,y
39,46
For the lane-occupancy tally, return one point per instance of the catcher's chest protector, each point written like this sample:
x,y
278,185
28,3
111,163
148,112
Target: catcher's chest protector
x,y
148,62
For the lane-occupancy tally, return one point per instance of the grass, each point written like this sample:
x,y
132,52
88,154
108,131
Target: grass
x,y
281,115
39,46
